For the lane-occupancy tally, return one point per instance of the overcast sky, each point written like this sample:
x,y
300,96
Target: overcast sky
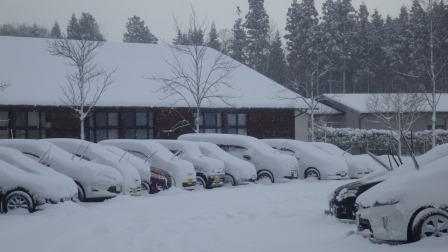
x,y
158,14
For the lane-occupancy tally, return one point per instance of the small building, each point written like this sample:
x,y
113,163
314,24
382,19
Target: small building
x,y
358,115
134,106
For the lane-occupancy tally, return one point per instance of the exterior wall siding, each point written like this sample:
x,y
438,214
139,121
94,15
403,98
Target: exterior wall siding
x,y
61,122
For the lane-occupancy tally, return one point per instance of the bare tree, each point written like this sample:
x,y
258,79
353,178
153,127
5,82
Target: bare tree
x,y
197,73
307,90
397,111
434,64
87,83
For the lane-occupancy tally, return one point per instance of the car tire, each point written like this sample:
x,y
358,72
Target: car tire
x,y
81,193
146,187
312,173
18,199
265,178
229,179
430,222
201,181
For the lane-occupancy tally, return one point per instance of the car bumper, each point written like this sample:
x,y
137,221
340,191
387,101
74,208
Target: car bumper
x,y
385,223
215,181
189,184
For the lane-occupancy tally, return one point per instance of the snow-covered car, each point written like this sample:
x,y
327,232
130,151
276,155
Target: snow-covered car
x,y
20,189
271,165
358,165
209,171
342,201
142,166
238,172
313,162
179,172
407,207
95,182
96,153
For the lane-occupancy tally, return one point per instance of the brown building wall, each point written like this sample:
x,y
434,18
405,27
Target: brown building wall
x,y
261,123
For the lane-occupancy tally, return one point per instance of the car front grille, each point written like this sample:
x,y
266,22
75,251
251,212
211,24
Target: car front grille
x,y
113,189
364,224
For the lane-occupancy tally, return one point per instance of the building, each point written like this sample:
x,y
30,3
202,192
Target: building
x,y
357,114
134,106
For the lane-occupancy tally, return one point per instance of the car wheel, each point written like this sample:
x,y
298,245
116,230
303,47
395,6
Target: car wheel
x,y
229,179
265,178
17,200
145,187
81,193
430,223
200,182
312,173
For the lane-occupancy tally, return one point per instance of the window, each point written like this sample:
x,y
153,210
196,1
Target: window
x,y
104,125
138,125
210,122
4,125
31,125
237,123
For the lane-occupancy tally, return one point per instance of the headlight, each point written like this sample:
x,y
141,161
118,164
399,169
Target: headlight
x,y
341,173
347,193
387,203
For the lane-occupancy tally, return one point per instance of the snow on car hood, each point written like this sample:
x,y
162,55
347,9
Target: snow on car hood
x,y
40,186
413,189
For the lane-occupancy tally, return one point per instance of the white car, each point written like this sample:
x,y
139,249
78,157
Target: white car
x,y
20,189
313,162
358,165
142,166
271,165
407,206
238,172
95,182
209,171
96,153
182,172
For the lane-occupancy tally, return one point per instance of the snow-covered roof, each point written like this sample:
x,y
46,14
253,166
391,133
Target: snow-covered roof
x,y
323,109
358,102
36,77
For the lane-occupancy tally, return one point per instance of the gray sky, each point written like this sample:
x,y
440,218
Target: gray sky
x,y
158,14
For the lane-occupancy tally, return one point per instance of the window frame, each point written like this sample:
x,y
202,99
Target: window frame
x,y
7,126
238,128
41,128
93,128
204,128
134,128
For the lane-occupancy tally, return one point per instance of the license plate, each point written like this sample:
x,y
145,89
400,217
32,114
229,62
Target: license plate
x,y
217,180
190,181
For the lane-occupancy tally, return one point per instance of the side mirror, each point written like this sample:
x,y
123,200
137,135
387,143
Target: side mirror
x,y
247,157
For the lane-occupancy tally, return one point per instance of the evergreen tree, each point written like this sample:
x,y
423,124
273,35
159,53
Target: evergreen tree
x,y
338,24
276,61
257,28
238,45
213,39
137,32
363,74
73,31
56,31
195,36
301,25
181,38
88,28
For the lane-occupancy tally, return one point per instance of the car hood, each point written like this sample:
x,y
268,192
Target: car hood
x,y
208,165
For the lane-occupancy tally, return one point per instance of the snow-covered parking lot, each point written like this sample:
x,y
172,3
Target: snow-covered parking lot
x,y
279,217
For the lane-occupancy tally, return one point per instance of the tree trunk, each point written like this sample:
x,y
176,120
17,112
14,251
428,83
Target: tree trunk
x,y
82,135
198,111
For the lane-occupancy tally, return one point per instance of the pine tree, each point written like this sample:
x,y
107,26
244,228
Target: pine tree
x,y
302,21
276,61
213,39
137,32
238,45
257,27
73,28
181,38
363,75
89,28
56,31
338,23
195,36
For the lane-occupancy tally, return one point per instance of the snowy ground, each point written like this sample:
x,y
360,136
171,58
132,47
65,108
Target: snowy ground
x,y
281,217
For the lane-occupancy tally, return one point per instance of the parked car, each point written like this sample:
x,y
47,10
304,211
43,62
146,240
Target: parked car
x,y
237,171
164,164
343,199
96,153
143,167
313,162
95,182
271,166
358,165
407,207
209,171
20,189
